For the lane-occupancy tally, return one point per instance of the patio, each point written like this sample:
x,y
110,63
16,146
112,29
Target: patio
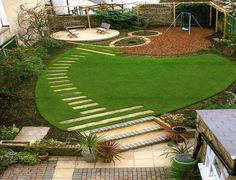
x,y
84,35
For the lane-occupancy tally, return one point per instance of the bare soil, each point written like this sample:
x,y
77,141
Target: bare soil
x,y
173,42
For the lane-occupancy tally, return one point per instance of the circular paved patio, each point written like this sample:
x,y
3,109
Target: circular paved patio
x,y
85,35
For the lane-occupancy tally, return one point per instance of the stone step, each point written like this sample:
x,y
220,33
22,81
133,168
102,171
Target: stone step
x,y
56,78
145,142
65,89
74,98
80,102
102,114
129,132
85,106
78,56
57,71
120,125
93,110
109,120
58,67
60,81
56,74
66,61
62,65
61,85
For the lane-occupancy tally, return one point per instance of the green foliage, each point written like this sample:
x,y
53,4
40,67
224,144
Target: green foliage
x,y
28,158
182,174
90,142
21,63
7,157
200,12
119,19
8,133
181,148
190,123
50,43
36,147
109,151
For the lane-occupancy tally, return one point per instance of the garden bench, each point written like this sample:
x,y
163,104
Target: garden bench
x,y
71,26
103,28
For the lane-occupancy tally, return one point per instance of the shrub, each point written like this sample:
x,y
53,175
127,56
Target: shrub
x,y
19,64
119,19
108,151
190,123
9,133
28,158
50,43
7,157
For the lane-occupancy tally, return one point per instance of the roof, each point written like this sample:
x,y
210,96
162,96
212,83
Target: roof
x,y
222,124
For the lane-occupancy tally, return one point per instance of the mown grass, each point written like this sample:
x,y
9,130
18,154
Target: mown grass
x,y
159,84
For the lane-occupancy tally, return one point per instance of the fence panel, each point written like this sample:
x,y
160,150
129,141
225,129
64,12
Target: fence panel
x,y
231,25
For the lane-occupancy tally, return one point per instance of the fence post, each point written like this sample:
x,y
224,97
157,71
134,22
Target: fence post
x,y
217,16
225,24
174,14
210,17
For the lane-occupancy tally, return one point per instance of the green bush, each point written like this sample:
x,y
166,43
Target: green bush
x,y
50,43
119,19
7,157
28,158
20,63
8,133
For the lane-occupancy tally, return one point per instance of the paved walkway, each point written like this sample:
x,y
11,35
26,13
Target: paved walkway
x,y
142,163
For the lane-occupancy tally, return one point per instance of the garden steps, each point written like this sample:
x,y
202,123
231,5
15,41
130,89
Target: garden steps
x,y
130,131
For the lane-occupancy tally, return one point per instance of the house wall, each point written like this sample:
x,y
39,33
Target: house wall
x,y
12,7
202,128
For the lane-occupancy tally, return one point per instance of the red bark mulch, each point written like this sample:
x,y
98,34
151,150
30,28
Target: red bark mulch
x,y
174,42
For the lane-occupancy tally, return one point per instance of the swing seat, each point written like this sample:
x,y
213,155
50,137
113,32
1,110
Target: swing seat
x,y
185,29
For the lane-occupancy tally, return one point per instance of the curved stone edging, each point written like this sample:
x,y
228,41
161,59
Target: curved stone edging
x,y
112,44
158,33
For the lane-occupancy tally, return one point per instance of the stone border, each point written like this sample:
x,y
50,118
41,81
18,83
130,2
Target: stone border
x,y
158,33
112,44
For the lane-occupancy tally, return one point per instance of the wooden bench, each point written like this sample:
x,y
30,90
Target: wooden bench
x,y
74,25
103,28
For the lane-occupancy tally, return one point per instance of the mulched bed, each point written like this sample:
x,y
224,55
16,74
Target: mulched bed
x,y
174,42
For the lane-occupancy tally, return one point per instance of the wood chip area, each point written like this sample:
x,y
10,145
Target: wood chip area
x,y
173,42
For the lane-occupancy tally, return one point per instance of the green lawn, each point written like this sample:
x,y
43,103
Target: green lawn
x,y
115,82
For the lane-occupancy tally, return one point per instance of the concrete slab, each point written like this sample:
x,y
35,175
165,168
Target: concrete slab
x,y
32,134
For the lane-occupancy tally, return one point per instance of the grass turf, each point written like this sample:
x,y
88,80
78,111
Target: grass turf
x,y
160,84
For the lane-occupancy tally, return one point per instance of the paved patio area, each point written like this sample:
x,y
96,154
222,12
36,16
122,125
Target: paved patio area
x,y
86,35
142,163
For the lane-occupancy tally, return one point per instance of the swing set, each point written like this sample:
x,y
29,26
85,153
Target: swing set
x,y
186,19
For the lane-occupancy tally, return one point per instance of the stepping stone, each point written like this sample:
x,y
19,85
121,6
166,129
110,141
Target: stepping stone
x,y
61,64
67,61
70,93
57,70
61,85
57,74
80,102
65,89
85,106
59,67
32,134
103,114
77,55
93,110
74,98
70,58
110,120
61,81
98,52
62,77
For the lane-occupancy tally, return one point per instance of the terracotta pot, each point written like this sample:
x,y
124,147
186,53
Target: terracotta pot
x,y
43,156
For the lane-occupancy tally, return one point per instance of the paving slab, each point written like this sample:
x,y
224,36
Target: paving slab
x,y
32,134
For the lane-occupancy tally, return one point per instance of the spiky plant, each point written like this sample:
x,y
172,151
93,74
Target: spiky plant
x,y
182,148
109,151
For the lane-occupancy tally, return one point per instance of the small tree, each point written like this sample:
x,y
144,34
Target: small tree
x,y
33,24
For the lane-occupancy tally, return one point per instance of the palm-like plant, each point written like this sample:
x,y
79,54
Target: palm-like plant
x,y
182,148
89,145
108,151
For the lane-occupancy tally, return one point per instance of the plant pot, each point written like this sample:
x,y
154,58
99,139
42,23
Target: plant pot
x,y
43,156
179,129
89,157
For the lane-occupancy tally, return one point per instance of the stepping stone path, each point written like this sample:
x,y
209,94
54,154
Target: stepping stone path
x,y
32,134
97,115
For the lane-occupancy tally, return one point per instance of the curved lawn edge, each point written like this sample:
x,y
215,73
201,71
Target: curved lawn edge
x,y
53,119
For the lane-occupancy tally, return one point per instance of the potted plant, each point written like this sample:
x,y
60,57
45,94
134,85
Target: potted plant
x,y
40,149
108,151
176,131
89,145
